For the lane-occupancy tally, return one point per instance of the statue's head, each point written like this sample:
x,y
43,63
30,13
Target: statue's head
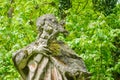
x,y
49,24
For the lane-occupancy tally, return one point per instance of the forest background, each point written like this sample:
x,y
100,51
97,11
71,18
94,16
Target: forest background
x,y
93,25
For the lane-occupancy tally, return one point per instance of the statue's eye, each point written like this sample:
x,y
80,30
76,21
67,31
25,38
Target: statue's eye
x,y
52,20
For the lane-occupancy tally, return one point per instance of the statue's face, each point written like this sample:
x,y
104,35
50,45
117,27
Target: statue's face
x,y
49,23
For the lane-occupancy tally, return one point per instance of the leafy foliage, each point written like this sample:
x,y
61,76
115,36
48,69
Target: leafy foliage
x,y
64,5
104,6
94,36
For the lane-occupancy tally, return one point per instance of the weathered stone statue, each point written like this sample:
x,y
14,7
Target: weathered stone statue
x,y
47,58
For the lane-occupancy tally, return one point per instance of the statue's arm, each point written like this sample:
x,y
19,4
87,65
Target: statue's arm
x,y
21,57
19,62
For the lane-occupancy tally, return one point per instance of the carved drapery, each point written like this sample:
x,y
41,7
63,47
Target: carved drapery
x,y
47,58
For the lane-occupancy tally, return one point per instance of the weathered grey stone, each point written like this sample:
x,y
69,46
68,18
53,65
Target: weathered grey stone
x,y
47,58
